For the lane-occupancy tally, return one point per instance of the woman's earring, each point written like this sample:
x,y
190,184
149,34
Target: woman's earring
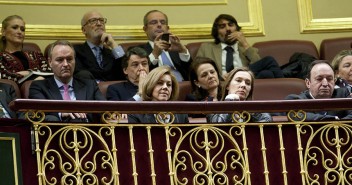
x,y
199,86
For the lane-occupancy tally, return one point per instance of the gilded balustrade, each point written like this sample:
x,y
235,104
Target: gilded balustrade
x,y
291,152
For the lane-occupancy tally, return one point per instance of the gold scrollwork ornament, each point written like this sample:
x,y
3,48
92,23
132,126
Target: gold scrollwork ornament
x,y
241,117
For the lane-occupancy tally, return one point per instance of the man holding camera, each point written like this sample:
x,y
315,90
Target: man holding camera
x,y
163,47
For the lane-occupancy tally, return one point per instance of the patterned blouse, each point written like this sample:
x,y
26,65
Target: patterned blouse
x,y
11,63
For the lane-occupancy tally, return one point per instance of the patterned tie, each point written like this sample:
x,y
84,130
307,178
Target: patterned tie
x,y
166,61
98,56
229,58
66,94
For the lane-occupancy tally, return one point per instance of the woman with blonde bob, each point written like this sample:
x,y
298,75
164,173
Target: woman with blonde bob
x,y
159,85
14,62
238,87
342,65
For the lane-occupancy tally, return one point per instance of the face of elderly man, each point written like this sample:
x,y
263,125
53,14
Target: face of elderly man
x,y
321,83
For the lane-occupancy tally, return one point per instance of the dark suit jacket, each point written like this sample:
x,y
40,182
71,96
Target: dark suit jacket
x,y
84,89
7,94
149,118
121,91
85,60
182,67
324,115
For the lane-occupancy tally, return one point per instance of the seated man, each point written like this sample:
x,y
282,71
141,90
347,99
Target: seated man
x,y
63,85
231,49
99,57
320,82
135,65
165,51
7,94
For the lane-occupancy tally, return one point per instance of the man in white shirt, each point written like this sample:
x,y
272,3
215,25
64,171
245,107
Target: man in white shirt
x,y
231,49
162,52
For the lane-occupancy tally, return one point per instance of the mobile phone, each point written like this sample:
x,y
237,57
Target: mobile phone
x,y
165,37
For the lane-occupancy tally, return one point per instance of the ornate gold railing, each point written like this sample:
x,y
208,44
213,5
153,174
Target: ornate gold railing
x,y
292,152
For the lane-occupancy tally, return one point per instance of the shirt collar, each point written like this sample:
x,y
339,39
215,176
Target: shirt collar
x,y
91,45
60,84
234,46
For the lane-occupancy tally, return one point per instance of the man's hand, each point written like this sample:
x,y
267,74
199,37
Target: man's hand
x,y
159,46
176,44
74,115
239,36
108,41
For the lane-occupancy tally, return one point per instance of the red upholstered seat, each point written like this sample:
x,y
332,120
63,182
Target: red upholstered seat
x,y
277,88
30,46
193,48
14,85
330,47
282,50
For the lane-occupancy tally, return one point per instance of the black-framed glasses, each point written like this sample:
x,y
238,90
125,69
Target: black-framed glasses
x,y
94,21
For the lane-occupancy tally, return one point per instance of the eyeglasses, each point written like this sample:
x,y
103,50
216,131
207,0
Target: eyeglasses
x,y
94,21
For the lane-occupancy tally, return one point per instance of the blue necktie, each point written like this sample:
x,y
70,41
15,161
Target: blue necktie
x,y
166,61
98,56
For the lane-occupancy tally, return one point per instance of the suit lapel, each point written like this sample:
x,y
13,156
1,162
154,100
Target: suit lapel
x,y
91,56
79,89
217,52
54,90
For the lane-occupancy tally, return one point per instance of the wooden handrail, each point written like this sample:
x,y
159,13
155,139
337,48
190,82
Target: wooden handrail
x,y
24,105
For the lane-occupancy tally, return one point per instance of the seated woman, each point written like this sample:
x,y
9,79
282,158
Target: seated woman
x,y
159,85
342,65
205,80
15,63
238,87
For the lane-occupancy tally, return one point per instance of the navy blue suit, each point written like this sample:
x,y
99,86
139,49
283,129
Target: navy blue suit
x,y
85,60
325,115
121,91
84,89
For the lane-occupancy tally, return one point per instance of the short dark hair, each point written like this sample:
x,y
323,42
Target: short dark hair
x,y
214,29
315,62
133,51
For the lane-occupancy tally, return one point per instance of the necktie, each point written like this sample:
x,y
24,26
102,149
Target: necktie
x,y
166,61
229,58
66,93
98,56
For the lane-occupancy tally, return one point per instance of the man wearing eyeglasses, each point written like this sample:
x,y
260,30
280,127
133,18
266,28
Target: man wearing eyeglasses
x,y
99,57
165,49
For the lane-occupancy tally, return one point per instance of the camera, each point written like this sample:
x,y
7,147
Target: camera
x,y
165,37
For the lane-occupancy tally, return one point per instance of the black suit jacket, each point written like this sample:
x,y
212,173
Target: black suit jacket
x,y
121,91
85,60
182,67
84,89
7,94
324,115
149,118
